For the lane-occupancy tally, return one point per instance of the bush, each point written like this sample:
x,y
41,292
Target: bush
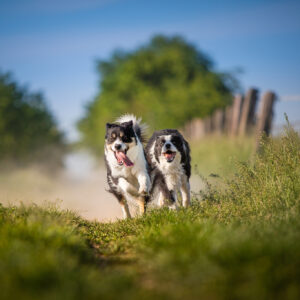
x,y
167,82
28,131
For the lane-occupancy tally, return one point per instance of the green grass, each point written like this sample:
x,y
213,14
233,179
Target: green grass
x,y
241,242
217,154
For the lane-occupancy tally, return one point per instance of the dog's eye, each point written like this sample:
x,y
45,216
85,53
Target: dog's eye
x,y
126,139
176,141
162,141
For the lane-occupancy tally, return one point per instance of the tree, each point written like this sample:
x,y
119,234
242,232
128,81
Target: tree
x,y
167,82
28,131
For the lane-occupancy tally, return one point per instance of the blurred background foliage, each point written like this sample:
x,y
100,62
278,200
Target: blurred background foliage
x,y
28,130
167,82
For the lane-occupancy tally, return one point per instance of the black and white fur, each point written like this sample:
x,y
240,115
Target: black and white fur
x,y
127,135
168,155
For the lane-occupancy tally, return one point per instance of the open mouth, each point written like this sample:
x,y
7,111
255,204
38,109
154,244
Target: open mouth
x,y
123,159
169,155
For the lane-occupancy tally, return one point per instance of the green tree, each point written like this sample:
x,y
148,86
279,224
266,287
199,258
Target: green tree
x,y
28,131
167,82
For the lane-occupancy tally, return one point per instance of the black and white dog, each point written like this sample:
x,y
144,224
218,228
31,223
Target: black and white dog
x,y
168,155
127,168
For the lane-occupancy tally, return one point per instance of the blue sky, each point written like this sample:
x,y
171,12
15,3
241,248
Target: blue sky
x,y
52,46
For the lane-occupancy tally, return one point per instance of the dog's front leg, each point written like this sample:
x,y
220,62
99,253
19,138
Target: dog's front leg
x,y
127,187
144,189
185,192
166,197
161,199
144,183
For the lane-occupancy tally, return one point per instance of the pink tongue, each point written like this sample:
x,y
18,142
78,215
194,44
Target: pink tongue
x,y
121,157
169,155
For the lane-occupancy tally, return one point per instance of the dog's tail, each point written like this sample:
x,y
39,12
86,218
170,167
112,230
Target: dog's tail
x,y
139,128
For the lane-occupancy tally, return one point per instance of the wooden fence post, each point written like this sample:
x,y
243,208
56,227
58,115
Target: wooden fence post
x,y
218,121
187,130
248,111
208,125
236,115
265,116
198,130
228,119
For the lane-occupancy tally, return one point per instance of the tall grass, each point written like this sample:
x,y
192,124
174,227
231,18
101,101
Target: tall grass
x,y
240,242
217,154
269,186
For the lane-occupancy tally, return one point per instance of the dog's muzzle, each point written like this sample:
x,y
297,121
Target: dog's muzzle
x,y
169,155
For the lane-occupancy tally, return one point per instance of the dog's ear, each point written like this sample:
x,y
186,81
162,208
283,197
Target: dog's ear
x,y
109,125
128,124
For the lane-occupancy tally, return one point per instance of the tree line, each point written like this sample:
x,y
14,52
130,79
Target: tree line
x,y
168,81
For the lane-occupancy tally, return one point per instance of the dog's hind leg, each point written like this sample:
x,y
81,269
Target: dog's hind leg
x,y
142,204
121,200
125,208
185,192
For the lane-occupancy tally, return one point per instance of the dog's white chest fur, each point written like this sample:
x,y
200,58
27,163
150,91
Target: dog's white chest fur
x,y
173,171
136,155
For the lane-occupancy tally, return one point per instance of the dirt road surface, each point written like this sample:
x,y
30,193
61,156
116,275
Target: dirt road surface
x,y
80,187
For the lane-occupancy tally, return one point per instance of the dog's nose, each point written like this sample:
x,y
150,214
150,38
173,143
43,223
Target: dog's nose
x,y
118,146
168,146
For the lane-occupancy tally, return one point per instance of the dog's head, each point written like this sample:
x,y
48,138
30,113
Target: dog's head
x,y
169,147
119,139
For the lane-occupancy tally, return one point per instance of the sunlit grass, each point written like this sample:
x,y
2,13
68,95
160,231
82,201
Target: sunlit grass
x,y
240,242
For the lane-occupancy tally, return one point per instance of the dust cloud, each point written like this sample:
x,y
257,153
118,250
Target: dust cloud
x,y
80,186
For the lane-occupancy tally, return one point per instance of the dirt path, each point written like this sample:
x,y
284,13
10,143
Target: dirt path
x,y
80,187
85,195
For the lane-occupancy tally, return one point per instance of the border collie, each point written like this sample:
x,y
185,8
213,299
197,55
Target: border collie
x,y
168,155
127,168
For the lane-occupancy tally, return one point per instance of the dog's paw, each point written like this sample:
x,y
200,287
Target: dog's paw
x,y
173,206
